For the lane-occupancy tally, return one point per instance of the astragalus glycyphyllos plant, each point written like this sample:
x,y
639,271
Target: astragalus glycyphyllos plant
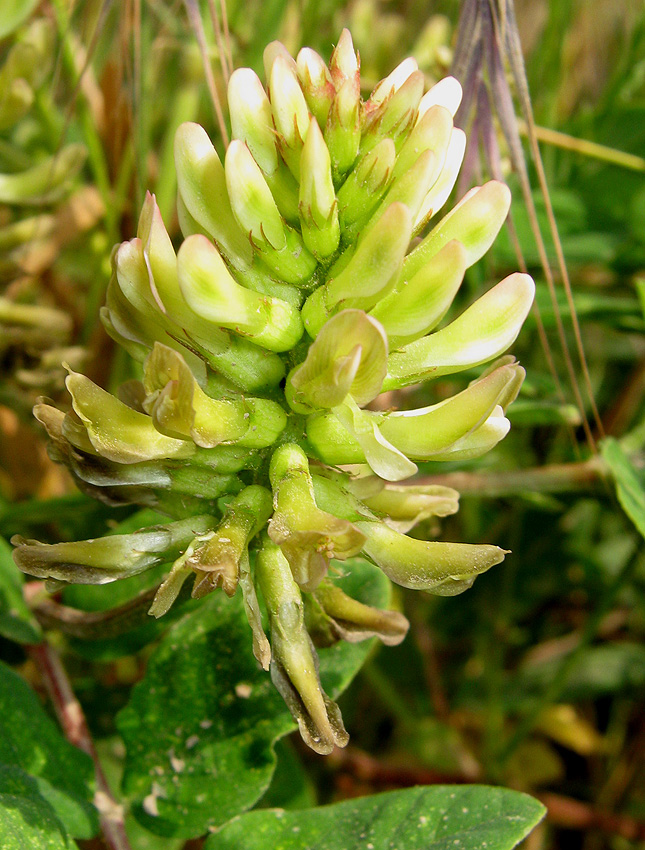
x,y
292,303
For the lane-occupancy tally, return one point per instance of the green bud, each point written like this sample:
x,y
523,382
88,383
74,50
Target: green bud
x,y
370,273
251,199
308,536
180,408
17,99
215,555
45,182
423,433
261,646
415,306
444,569
481,333
343,130
316,83
271,53
108,558
116,431
475,222
431,133
365,186
317,200
211,291
443,186
290,112
349,355
404,506
202,189
353,621
252,119
294,664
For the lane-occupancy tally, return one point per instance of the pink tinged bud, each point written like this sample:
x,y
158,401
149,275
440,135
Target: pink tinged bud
x,y
475,222
421,434
370,273
294,664
116,431
431,133
392,83
446,93
202,188
317,201
349,355
316,83
444,569
484,331
344,64
395,116
343,130
440,191
415,306
211,291
290,112
252,119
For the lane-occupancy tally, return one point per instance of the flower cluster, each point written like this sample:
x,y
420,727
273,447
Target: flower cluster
x,y
293,302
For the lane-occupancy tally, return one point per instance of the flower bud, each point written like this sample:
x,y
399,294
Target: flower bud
x,y
438,194
180,408
475,222
201,182
370,273
252,119
316,82
444,569
431,133
349,355
481,333
290,112
117,432
350,620
395,116
404,506
211,291
344,63
423,433
446,93
215,555
416,305
481,440
317,200
343,130
366,185
108,558
294,664
308,536
392,83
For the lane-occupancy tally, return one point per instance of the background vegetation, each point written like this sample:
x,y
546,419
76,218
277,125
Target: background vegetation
x,y
534,679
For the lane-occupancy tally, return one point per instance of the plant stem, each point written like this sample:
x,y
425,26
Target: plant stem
x,y
556,478
74,726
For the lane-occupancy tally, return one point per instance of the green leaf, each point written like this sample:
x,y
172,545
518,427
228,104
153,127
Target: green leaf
x,y
27,820
629,487
200,728
438,818
16,620
29,740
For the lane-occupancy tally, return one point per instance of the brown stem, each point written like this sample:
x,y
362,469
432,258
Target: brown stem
x,y
556,478
74,726
573,814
